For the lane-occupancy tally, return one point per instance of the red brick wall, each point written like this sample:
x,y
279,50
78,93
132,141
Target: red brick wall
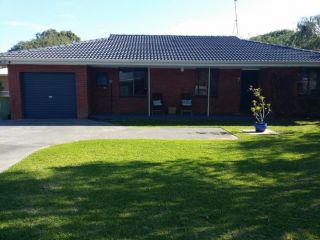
x,y
268,75
16,104
171,83
229,85
15,93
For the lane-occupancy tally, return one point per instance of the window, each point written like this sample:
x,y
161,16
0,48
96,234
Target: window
x,y
201,88
308,82
133,82
102,79
201,82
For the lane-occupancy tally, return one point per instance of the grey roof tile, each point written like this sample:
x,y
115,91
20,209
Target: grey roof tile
x,y
170,48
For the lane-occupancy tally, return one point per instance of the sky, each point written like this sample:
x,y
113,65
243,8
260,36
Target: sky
x,y
90,19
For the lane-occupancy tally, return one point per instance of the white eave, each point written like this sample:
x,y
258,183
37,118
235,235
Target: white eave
x,y
155,63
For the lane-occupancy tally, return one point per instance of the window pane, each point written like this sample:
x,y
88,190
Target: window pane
x,y
201,88
126,89
313,82
126,83
140,83
126,76
308,83
133,82
303,85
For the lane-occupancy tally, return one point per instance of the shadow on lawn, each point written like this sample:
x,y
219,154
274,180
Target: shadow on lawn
x,y
181,121
203,121
258,197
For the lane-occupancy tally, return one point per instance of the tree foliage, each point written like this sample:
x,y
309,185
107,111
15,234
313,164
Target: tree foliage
x,y
307,35
47,38
280,37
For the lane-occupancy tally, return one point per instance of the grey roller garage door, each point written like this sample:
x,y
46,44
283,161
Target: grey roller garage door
x,y
49,95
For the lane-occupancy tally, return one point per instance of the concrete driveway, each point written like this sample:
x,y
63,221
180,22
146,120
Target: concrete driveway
x,y
20,138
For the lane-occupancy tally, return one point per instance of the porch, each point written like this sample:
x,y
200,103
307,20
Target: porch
x,y
131,90
222,91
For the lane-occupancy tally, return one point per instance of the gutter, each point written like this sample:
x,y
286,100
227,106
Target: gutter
x,y
170,64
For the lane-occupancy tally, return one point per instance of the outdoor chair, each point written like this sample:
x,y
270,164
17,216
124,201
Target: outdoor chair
x,y
157,104
186,103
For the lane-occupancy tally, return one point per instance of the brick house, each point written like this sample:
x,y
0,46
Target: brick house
x,y
120,74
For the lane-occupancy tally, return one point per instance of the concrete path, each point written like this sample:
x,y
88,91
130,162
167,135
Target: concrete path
x,y
20,138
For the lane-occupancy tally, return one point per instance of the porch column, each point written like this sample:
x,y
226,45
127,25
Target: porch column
x,y
209,82
149,93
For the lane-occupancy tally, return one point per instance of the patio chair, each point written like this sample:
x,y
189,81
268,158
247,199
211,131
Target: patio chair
x,y
186,103
157,104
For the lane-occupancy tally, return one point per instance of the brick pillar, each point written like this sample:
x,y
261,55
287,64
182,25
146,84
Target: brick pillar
x,y
15,93
82,92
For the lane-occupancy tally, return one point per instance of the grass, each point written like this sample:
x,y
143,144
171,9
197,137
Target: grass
x,y
259,187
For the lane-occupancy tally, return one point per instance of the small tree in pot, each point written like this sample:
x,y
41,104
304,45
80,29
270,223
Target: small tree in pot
x,y
260,109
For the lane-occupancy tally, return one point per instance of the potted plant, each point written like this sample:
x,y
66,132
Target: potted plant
x,y
260,109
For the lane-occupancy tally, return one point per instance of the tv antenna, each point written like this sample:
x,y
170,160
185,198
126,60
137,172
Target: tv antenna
x,y
236,23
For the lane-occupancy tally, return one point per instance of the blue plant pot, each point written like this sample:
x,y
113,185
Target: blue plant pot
x,y
260,127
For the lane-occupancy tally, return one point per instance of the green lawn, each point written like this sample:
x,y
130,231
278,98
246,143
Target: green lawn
x,y
258,187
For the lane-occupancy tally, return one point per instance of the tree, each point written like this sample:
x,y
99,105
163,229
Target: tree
x,y
47,38
281,37
307,35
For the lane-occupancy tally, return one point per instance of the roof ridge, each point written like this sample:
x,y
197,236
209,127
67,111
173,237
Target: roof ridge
x,y
174,35
281,46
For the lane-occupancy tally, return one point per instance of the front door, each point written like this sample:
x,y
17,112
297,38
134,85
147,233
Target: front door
x,y
101,93
248,78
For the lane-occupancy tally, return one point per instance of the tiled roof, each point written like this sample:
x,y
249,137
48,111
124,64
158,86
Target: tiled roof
x,y
170,48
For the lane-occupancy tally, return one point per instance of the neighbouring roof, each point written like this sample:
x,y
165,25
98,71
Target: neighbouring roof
x,y
165,49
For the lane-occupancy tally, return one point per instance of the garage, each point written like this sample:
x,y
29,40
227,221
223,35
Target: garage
x,y
48,95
